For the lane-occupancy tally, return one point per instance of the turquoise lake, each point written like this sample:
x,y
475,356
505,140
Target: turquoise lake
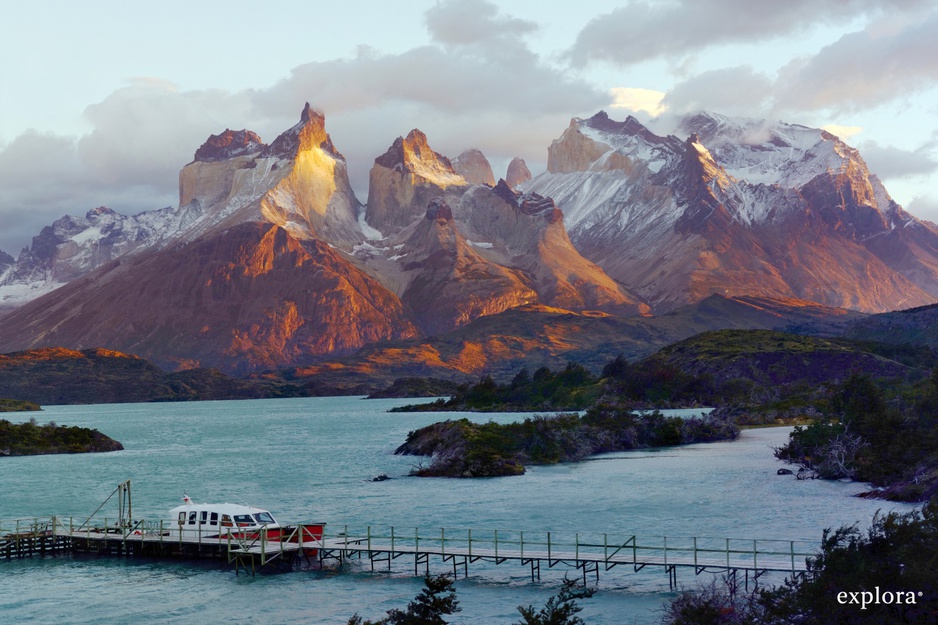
x,y
313,459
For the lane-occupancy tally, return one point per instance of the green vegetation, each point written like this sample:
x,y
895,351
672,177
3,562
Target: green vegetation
x,y
30,438
465,449
884,576
417,387
572,388
875,432
17,405
438,599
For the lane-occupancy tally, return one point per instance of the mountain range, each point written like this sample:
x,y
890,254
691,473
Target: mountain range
x,y
270,261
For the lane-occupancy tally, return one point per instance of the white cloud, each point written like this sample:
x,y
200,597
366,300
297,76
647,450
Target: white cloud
x,y
892,163
731,91
478,85
638,100
863,69
844,132
641,30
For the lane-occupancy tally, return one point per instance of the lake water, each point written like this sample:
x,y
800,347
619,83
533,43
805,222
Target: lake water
x,y
312,460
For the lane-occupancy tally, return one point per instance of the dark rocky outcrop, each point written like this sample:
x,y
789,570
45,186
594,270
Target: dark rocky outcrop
x,y
229,144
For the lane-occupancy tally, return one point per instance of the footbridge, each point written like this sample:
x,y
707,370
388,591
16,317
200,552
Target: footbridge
x,y
281,548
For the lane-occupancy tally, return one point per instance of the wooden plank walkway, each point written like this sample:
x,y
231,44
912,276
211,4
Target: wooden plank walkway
x,y
586,552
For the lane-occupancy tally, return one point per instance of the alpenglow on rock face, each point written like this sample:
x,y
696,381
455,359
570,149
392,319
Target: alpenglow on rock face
x,y
268,262
405,179
737,207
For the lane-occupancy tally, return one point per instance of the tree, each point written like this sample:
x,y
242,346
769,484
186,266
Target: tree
x,y
884,576
438,598
561,609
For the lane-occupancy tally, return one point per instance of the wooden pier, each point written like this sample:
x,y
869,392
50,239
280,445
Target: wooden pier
x,y
282,548
251,551
587,553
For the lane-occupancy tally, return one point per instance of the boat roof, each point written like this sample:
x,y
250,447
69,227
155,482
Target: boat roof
x,y
221,508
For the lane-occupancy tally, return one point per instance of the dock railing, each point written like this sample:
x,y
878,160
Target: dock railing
x,y
576,547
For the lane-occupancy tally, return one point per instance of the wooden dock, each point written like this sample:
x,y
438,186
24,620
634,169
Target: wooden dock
x,y
278,548
585,552
282,548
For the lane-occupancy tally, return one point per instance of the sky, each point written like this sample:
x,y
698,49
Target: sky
x,y
102,102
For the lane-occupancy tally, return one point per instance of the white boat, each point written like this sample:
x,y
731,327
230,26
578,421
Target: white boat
x,y
218,520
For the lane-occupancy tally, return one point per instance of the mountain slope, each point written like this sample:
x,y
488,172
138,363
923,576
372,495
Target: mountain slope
x,y
739,207
536,336
247,298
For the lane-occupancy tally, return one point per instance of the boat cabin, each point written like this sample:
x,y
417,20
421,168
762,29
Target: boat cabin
x,y
217,518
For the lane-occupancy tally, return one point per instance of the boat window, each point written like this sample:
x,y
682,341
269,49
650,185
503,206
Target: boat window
x,y
192,516
204,517
264,517
243,520
182,517
213,519
226,520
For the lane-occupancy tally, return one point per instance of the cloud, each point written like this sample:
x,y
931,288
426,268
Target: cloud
x,y
642,31
844,132
925,206
863,69
141,136
638,100
471,22
731,91
891,163
477,84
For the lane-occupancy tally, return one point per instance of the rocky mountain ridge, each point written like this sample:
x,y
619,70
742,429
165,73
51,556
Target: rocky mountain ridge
x,y
271,261
738,207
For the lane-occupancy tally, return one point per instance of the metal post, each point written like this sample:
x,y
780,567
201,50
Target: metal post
x,y
548,545
443,543
496,544
665,550
755,552
522,544
695,551
470,542
578,555
369,538
727,553
392,538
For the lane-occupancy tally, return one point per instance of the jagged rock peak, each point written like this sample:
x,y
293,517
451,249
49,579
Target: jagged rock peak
x,y
309,133
474,167
439,210
413,154
94,213
603,123
529,203
229,144
518,172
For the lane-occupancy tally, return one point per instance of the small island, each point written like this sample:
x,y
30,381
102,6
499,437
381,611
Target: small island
x,y
18,405
465,449
30,438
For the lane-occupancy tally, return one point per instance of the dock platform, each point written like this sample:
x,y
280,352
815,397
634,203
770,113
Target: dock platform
x,y
281,548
